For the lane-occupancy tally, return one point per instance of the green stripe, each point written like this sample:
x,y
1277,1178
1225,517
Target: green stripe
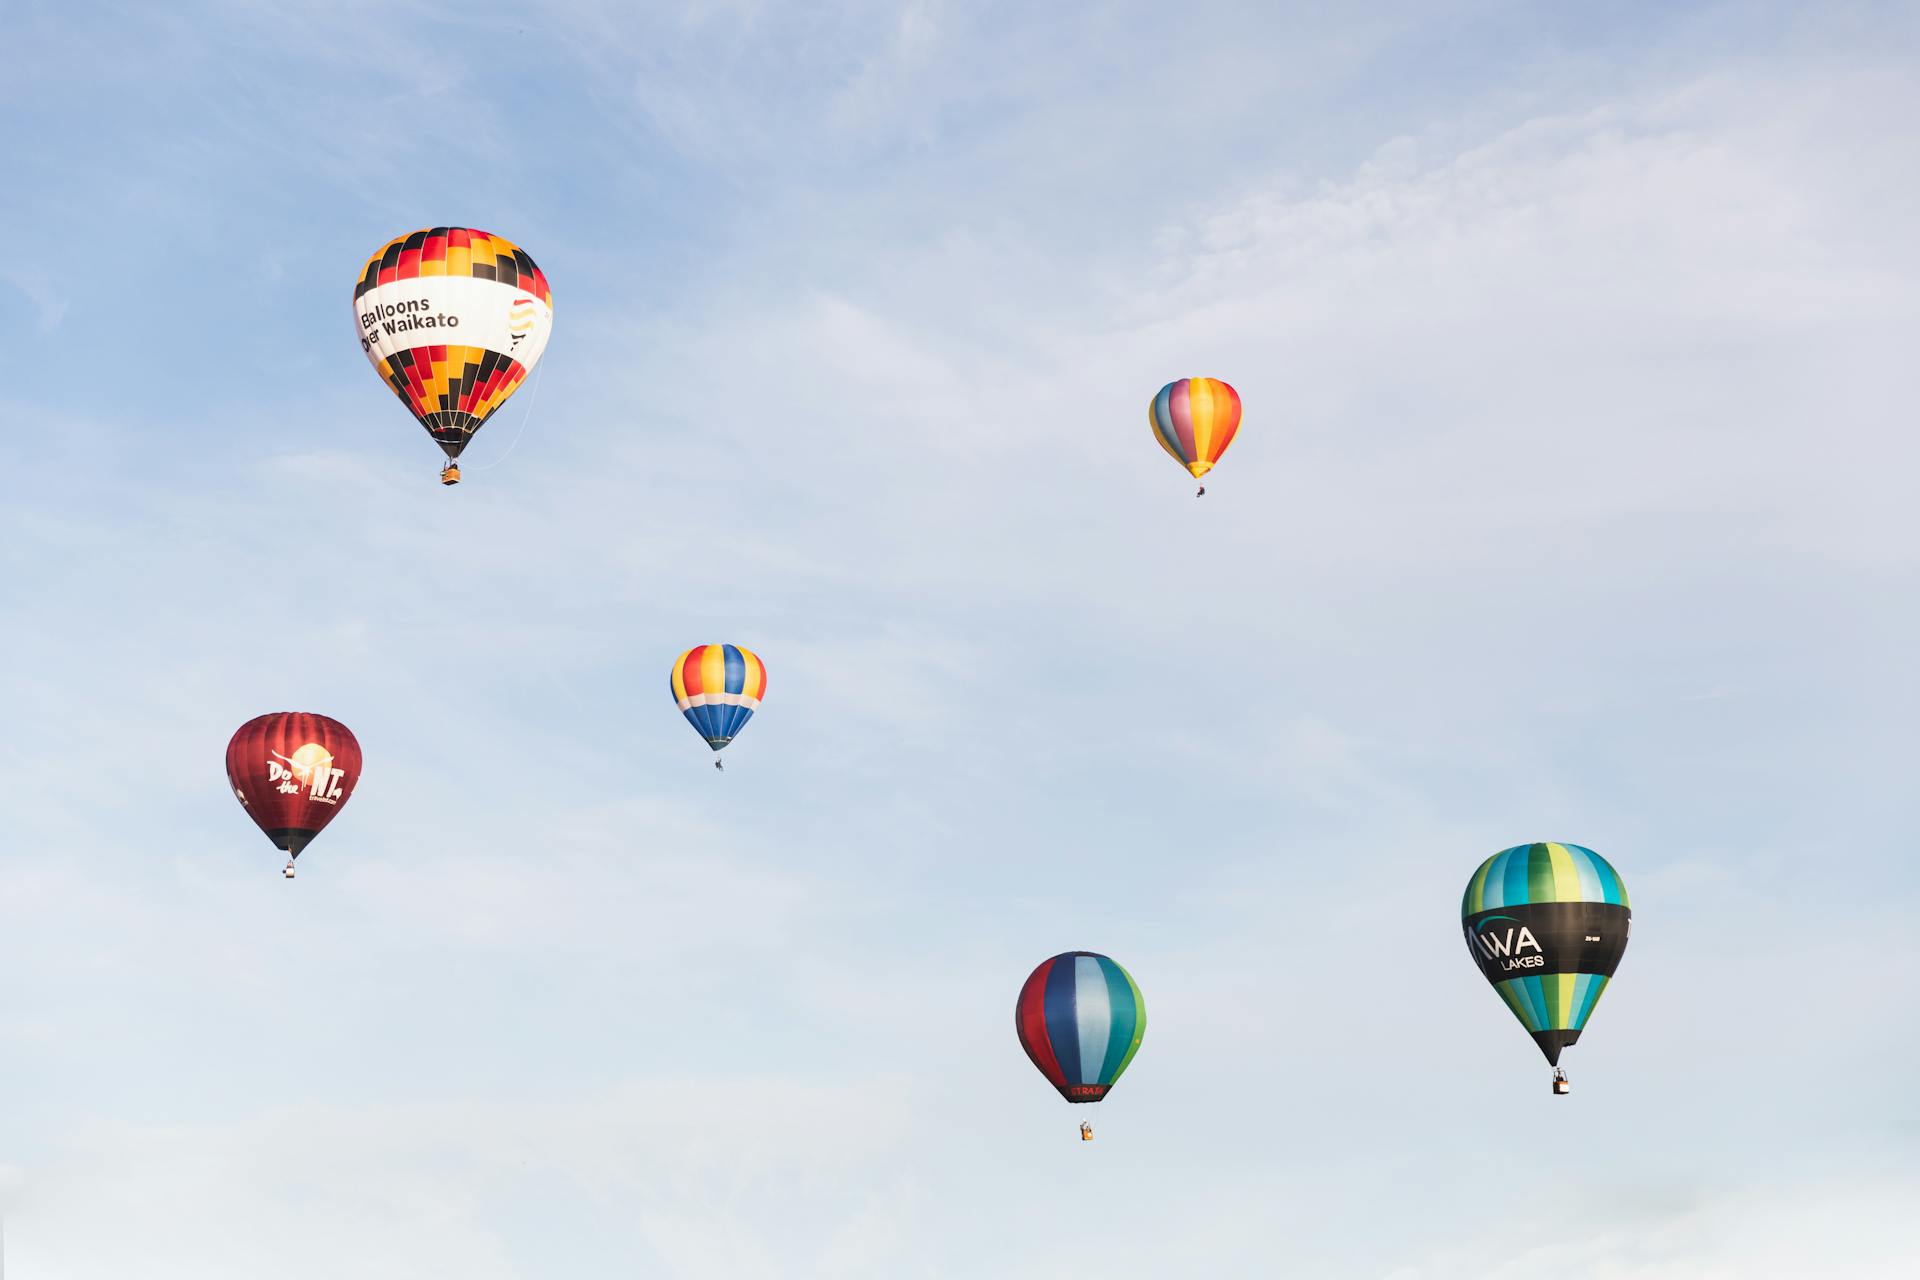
x,y
1540,873
1514,1004
1514,991
1476,899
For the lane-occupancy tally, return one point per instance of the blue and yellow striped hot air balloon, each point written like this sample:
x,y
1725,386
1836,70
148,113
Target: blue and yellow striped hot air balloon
x,y
718,687
1547,924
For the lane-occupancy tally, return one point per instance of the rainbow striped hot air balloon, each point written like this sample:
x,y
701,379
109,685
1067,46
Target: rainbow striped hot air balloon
x,y
718,687
1547,924
1080,1018
1195,419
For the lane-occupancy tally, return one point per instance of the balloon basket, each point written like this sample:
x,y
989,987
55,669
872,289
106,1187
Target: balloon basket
x,y
450,474
1560,1086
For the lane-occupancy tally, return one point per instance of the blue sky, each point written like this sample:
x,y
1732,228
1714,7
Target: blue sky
x,y
1574,501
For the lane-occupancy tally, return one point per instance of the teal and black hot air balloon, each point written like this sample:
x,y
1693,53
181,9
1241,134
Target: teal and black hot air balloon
x,y
1547,924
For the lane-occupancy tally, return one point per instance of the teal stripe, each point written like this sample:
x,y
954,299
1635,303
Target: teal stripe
x,y
1513,890
1596,984
1139,1026
1606,885
1542,1007
1125,1017
1610,882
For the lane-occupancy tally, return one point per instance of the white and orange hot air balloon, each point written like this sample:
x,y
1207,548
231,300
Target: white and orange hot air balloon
x,y
454,320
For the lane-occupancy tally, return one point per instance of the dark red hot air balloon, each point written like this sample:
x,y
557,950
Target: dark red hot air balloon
x,y
292,771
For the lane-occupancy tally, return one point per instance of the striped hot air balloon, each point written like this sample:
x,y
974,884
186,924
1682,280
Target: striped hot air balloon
x,y
1080,1018
718,687
1547,924
1195,419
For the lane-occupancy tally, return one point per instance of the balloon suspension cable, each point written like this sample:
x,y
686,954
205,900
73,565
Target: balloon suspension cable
x,y
533,394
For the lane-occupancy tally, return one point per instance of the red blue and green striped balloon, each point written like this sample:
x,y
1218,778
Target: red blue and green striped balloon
x,y
718,687
1080,1018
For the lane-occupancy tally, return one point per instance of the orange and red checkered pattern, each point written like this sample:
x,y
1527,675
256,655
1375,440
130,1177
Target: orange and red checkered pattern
x,y
452,390
454,251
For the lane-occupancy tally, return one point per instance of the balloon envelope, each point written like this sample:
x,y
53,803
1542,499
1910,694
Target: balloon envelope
x,y
453,319
1195,419
1547,924
1080,1018
292,772
718,687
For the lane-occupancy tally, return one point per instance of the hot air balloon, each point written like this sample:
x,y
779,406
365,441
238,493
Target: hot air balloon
x,y
1080,1019
292,771
1195,419
1547,924
718,687
454,319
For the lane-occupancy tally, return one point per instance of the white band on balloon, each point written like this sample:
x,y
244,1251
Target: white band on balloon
x,y
452,311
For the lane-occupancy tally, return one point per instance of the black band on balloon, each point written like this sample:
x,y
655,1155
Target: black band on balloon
x,y
1548,937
